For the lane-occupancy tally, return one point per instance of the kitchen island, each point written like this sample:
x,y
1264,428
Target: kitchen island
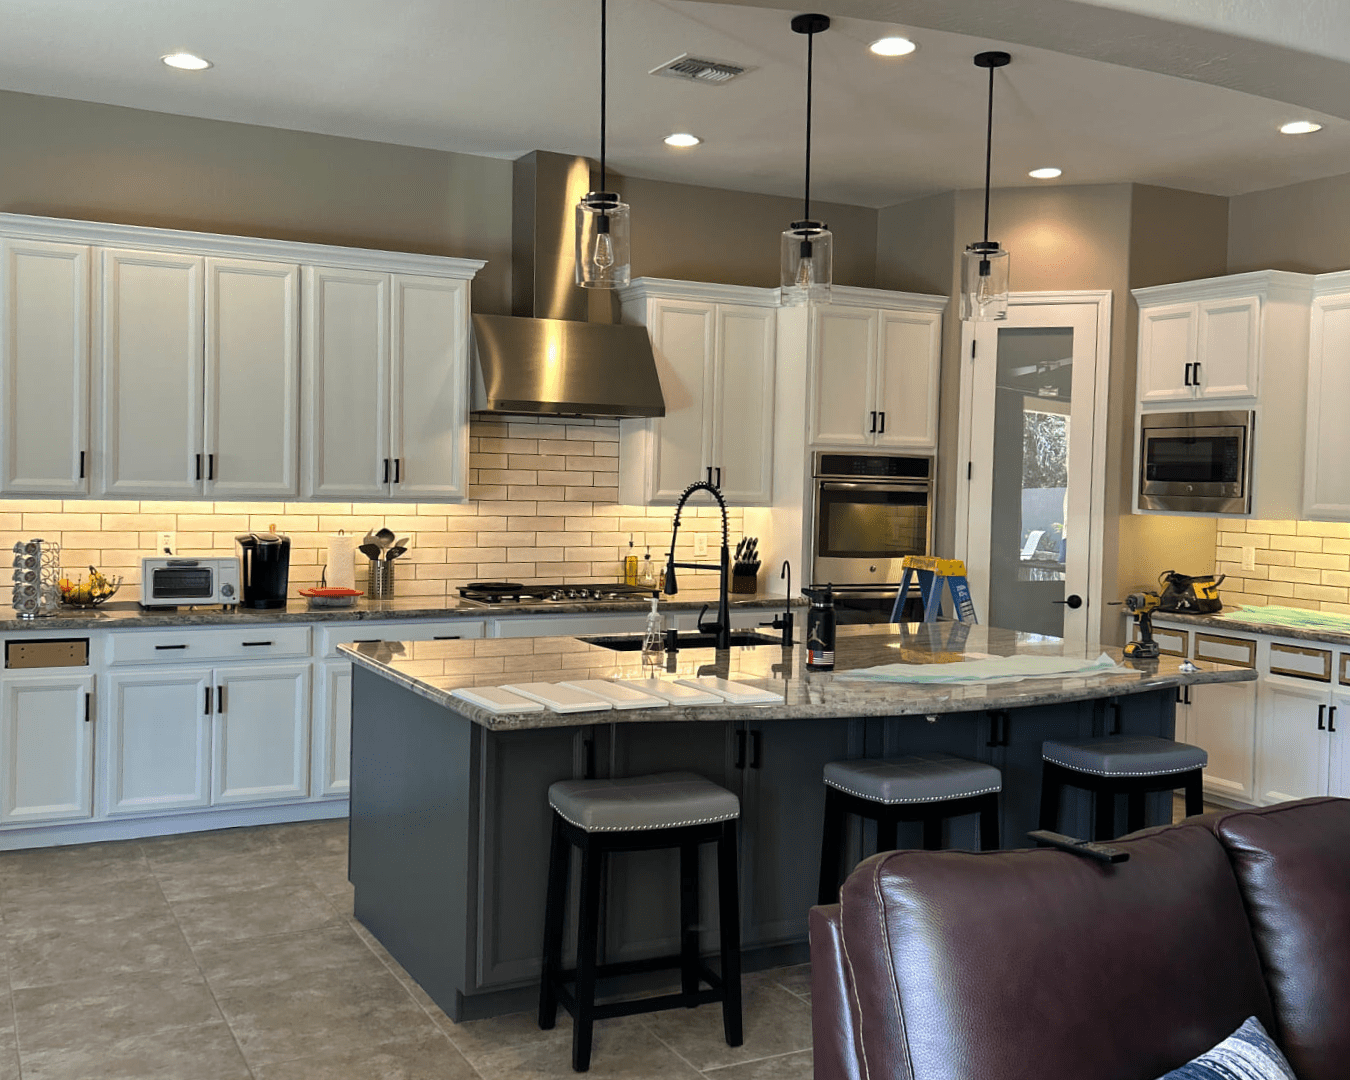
x,y
450,821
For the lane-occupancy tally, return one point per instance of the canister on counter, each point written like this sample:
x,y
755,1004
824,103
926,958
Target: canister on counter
x,y
820,629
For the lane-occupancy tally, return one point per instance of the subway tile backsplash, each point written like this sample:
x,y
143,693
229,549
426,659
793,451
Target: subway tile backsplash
x,y
543,507
1302,564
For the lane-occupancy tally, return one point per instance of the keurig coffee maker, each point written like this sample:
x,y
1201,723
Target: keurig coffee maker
x,y
265,567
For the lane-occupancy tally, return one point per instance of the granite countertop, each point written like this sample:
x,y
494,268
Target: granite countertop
x,y
127,614
433,669
1224,620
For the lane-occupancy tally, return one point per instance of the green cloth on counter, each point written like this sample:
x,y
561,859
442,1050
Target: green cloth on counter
x,y
1293,618
1001,668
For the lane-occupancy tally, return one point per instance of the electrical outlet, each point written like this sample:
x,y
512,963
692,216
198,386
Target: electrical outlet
x,y
700,545
1248,558
166,543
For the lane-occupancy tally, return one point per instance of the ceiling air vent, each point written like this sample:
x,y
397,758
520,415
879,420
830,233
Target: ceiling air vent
x,y
700,69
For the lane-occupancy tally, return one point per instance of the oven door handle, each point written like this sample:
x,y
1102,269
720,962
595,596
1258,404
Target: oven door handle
x,y
873,485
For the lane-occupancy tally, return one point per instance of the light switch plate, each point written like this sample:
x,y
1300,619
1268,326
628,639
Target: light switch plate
x,y
700,545
166,543
1248,558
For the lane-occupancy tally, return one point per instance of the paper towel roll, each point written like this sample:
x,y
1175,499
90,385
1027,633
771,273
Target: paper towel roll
x,y
341,573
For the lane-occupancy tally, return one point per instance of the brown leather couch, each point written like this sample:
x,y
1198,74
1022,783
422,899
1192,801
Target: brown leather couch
x,y
1045,965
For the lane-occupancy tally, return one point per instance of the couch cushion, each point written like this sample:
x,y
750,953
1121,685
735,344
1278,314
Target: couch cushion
x,y
1293,865
1025,965
834,1016
1248,1053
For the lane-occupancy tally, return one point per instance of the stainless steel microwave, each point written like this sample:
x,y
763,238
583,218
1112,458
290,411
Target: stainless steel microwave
x,y
167,581
1197,462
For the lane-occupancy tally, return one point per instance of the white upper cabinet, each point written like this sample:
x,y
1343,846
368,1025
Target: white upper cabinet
x,y
875,362
1326,479
252,403
429,362
346,351
716,357
1227,363
44,368
1167,347
150,335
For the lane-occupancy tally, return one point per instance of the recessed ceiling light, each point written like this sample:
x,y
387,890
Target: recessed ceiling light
x,y
682,138
186,61
1045,174
893,46
1299,127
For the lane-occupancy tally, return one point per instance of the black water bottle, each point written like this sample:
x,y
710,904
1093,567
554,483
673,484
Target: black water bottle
x,y
820,629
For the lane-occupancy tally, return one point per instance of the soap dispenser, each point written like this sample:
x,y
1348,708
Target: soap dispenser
x,y
653,641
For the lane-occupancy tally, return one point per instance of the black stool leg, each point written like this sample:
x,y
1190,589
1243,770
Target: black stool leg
x,y
989,832
559,858
1050,791
588,935
1104,827
729,907
831,847
887,829
1134,819
932,830
1195,792
689,919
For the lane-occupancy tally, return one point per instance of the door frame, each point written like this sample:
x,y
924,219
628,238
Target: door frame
x,y
1100,382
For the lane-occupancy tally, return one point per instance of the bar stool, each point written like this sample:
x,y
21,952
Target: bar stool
x,y
639,813
1129,765
919,787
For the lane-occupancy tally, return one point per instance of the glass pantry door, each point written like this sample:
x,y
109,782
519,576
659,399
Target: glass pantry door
x,y
1030,525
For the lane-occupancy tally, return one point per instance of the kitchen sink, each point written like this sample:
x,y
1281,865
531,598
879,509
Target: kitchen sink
x,y
633,642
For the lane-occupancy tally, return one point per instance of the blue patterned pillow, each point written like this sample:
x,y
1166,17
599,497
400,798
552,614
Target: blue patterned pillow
x,y
1247,1054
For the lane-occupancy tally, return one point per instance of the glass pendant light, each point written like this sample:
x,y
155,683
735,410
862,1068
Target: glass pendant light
x,y
808,246
984,265
602,257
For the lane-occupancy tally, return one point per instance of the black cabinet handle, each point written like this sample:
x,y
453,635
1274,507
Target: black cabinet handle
x,y
1195,374
199,466
740,750
398,470
251,644
873,429
166,648
710,474
86,707
755,746
718,485
1331,719
998,728
81,464
207,706
1114,706
1321,718
1187,375
210,466
386,472
220,700
883,424
446,637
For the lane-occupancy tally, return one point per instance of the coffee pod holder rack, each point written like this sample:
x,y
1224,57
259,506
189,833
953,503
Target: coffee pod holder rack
x,y
37,577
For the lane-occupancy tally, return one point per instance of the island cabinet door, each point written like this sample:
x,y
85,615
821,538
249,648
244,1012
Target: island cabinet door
x,y
642,912
782,812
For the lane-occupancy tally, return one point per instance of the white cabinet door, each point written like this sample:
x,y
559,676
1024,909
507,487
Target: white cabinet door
x,y
1338,727
1292,742
159,740
1326,483
261,750
430,391
844,350
44,368
743,396
683,337
150,345
345,434
46,749
1221,720
335,737
1167,352
1229,348
252,428
908,358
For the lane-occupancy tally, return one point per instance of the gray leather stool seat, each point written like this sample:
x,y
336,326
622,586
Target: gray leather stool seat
x,y
1124,755
915,778
630,803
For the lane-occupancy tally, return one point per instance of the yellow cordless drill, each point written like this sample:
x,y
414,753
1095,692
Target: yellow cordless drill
x,y
1143,605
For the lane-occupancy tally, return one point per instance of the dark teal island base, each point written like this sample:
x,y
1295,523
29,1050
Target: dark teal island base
x,y
450,821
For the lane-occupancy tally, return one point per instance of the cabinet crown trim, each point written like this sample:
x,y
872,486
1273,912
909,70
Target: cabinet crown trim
x,y
1336,283
1271,284
887,299
648,288
104,234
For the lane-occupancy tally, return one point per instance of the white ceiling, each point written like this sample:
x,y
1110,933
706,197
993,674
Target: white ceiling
x,y
510,76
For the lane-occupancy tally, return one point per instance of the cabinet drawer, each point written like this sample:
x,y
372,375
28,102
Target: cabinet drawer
x,y
195,646
1300,662
330,637
1239,652
1171,642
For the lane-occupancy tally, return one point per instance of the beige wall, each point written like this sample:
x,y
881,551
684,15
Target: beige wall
x,y
916,245
1303,227
711,234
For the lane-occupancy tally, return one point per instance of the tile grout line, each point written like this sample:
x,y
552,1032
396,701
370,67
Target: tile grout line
x,y
711,1074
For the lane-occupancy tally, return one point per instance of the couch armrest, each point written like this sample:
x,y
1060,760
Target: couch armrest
x,y
834,1015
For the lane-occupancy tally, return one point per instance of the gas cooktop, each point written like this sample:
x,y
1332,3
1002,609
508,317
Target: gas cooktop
x,y
512,592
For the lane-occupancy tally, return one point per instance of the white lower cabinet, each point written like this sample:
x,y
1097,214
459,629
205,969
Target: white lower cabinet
x,y
261,745
159,740
46,749
1295,744
335,741
1221,719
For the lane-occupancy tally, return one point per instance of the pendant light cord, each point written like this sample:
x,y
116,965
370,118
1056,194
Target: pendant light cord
x,y
810,58
604,21
988,152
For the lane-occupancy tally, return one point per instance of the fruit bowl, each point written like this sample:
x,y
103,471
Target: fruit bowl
x,y
81,593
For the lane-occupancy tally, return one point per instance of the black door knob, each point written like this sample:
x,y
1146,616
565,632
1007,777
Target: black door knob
x,y
1073,600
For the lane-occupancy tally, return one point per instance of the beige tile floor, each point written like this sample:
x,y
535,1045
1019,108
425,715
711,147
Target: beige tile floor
x,y
234,955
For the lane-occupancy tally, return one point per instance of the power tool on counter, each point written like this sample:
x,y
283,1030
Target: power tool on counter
x,y
1142,605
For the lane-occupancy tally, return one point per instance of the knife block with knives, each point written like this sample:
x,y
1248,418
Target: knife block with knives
x,y
745,569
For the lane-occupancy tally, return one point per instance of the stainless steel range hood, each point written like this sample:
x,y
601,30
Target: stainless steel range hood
x,y
545,360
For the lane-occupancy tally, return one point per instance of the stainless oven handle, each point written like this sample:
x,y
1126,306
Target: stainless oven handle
x,y
874,485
